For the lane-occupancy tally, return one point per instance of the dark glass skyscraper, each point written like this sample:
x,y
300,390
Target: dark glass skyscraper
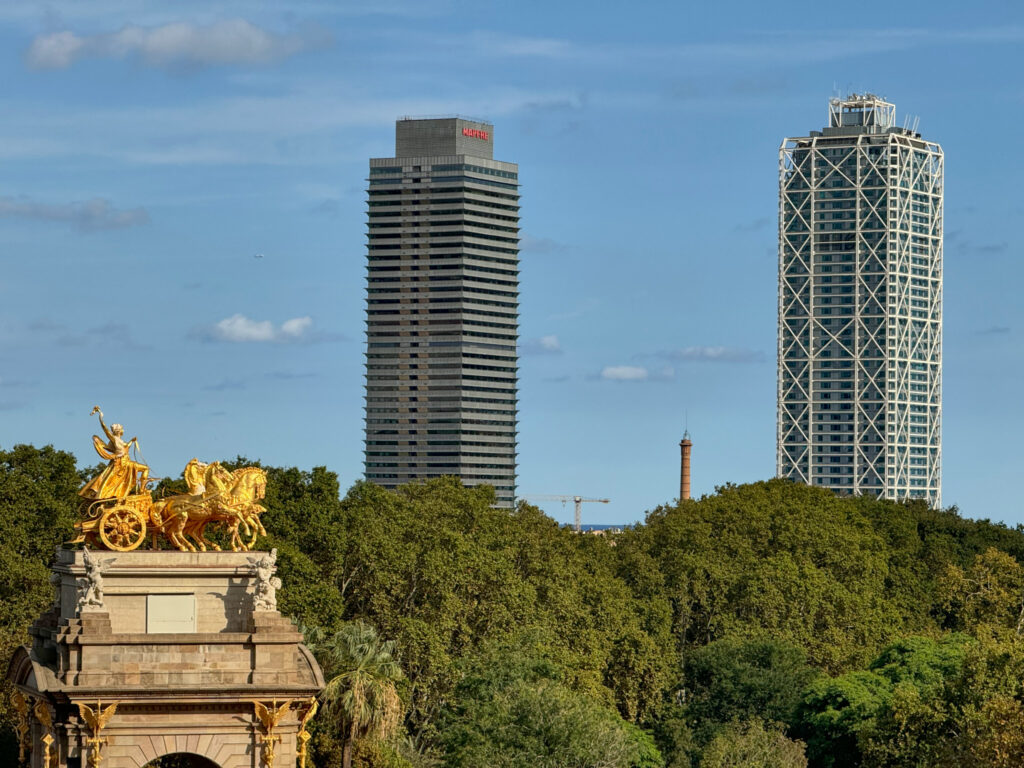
x,y
442,308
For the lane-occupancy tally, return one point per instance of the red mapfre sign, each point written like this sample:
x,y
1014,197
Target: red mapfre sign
x,y
473,133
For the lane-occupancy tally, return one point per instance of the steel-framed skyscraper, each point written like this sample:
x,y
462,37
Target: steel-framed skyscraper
x,y
860,305
442,308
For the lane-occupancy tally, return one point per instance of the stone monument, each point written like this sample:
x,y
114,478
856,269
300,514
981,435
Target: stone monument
x,y
153,652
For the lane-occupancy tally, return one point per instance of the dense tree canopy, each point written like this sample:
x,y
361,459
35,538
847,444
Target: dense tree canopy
x,y
767,624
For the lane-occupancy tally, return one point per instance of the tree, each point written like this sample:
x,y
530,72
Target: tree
x,y
751,744
782,560
443,573
737,680
903,710
360,695
837,712
988,596
513,711
37,512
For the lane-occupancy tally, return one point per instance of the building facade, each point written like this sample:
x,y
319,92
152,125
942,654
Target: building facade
x,y
860,305
442,308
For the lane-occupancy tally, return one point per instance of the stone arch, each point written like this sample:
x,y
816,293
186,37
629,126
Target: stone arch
x,y
182,760
217,751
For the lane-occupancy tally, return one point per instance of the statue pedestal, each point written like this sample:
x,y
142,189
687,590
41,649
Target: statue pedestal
x,y
176,643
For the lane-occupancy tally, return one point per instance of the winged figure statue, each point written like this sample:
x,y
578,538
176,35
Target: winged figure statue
x,y
96,719
271,716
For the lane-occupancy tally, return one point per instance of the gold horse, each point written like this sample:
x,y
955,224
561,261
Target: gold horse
x,y
216,496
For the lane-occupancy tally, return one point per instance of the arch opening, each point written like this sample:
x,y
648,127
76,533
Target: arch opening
x,y
181,760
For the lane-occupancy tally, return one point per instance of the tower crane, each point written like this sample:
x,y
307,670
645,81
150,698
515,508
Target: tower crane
x,y
579,501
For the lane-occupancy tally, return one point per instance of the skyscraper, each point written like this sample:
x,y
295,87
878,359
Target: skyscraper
x,y
860,305
442,308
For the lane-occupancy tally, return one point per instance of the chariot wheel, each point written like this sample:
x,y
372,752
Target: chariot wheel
x,y
122,528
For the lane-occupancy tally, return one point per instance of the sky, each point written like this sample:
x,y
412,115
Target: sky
x,y
182,221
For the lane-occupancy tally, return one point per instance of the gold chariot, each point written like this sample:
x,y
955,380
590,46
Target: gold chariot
x,y
118,509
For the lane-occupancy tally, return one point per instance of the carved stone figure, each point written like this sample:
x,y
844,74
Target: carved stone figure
x,y
55,583
90,589
267,584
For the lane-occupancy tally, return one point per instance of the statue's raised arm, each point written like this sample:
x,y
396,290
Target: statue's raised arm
x,y
122,475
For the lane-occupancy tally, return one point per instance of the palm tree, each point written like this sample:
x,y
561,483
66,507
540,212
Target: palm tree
x,y
361,696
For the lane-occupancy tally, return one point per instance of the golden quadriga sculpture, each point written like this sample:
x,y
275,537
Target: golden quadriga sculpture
x,y
118,509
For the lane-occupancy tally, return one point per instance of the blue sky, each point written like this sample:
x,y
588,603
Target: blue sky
x,y
149,152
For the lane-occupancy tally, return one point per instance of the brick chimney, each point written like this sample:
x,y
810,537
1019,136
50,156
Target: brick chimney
x,y
684,469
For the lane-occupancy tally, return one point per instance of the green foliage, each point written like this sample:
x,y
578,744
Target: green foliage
x,y
987,597
890,713
37,512
790,562
751,744
879,633
443,573
837,711
378,754
511,711
736,680
361,696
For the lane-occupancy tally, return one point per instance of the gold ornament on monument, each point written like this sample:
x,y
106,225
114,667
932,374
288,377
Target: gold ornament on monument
x,y
21,709
269,717
118,508
97,720
303,736
42,712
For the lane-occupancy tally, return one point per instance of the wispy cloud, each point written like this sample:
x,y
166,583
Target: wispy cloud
x,y
541,245
179,44
240,329
88,216
711,354
107,335
955,240
9,383
291,375
329,206
545,345
225,385
636,373
993,248
994,330
752,226
259,125
45,325
493,44
588,305
624,373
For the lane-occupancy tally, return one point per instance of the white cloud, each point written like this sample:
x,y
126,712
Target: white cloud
x,y
518,46
712,354
624,373
296,326
545,345
233,41
239,328
87,215
246,128
541,245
